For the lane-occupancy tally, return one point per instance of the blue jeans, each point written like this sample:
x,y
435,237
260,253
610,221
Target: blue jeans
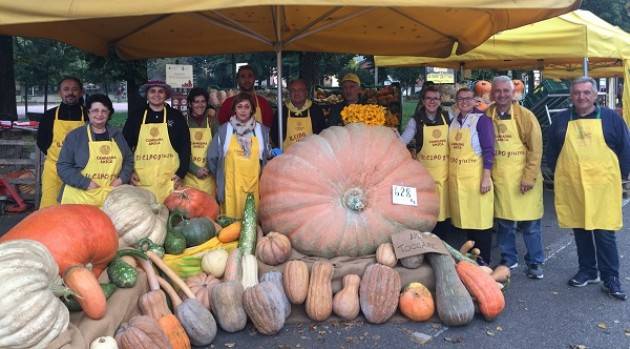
x,y
506,234
597,249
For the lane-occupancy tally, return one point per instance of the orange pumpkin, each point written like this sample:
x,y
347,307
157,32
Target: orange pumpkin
x,y
331,194
483,88
193,203
76,236
416,302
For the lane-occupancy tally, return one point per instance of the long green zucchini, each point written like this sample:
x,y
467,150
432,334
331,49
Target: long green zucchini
x,y
247,240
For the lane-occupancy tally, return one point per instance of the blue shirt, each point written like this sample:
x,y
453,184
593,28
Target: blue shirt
x,y
615,133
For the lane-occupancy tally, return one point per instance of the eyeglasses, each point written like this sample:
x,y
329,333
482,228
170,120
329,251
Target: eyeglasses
x,y
98,111
464,99
432,99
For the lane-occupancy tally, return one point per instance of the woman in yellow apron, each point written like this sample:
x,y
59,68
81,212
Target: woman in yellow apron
x,y
200,138
589,148
94,158
471,152
237,154
52,131
160,139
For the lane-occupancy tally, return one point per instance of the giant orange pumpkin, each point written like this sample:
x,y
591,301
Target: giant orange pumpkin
x,y
331,194
80,238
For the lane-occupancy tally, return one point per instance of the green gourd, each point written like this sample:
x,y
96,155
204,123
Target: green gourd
x,y
122,274
146,244
174,242
224,221
247,240
196,230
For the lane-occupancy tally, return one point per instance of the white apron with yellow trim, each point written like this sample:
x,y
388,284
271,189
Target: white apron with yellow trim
x,y
51,183
297,129
468,207
434,157
509,162
200,139
103,167
155,159
587,180
241,176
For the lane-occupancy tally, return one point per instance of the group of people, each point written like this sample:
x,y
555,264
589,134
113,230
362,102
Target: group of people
x,y
487,170
486,165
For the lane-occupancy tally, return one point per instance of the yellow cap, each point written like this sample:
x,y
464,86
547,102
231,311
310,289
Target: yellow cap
x,y
351,77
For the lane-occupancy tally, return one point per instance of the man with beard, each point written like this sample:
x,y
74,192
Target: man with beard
x,y
245,79
53,128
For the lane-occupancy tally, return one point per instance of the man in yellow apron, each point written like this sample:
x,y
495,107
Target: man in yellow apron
x,y
470,190
237,154
300,117
517,178
246,79
351,91
429,128
53,128
200,139
160,139
589,149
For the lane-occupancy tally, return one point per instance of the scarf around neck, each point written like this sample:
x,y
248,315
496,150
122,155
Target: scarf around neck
x,y
244,132
298,111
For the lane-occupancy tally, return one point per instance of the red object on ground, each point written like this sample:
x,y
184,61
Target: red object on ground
x,y
9,190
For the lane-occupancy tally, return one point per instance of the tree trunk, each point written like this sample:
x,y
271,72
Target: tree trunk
x,y
46,94
308,68
8,108
233,69
135,79
25,98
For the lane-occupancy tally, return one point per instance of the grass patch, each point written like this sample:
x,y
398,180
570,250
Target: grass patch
x,y
118,119
409,108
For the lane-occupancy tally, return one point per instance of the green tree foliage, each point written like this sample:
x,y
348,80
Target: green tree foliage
x,y
612,11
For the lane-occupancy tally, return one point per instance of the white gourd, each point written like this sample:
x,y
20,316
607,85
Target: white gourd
x,y
136,215
31,315
214,262
104,343
249,266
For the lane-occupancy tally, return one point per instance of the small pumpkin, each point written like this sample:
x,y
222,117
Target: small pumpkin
x,y
295,278
214,262
141,332
416,302
378,293
193,203
201,285
104,343
195,230
230,233
273,249
346,301
385,255
136,214
264,305
227,305
28,303
320,296
275,277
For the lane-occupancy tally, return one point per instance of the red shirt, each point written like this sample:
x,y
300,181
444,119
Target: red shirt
x,y
265,108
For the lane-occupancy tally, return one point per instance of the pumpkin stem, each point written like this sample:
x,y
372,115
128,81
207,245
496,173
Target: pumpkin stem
x,y
354,199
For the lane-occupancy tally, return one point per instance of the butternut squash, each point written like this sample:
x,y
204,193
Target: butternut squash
x,y
295,278
346,301
385,255
481,286
320,297
227,305
275,277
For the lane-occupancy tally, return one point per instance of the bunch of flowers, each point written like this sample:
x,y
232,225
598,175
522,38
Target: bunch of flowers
x,y
369,114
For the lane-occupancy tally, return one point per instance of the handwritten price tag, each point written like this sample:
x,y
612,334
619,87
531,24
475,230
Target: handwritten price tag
x,y
407,196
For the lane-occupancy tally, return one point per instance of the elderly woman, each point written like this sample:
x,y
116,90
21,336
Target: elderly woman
x,y
200,127
159,138
471,155
94,158
237,154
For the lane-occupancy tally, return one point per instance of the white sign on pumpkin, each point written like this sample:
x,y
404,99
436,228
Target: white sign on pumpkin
x,y
407,196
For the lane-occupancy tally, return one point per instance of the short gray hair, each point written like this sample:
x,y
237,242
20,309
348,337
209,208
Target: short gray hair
x,y
503,78
583,80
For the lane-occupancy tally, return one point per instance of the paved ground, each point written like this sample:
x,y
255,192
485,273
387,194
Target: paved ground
x,y
540,314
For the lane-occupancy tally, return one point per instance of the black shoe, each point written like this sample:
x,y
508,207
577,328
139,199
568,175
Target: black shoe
x,y
613,288
582,279
534,271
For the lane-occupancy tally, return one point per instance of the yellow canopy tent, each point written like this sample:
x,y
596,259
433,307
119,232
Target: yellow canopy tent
x,y
169,28
559,44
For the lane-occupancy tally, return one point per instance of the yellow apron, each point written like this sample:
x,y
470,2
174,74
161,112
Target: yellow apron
x,y
103,166
155,159
200,139
468,207
587,180
297,129
434,157
258,112
509,162
241,177
51,183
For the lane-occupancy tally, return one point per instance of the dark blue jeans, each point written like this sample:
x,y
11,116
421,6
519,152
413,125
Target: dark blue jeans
x,y
506,234
597,249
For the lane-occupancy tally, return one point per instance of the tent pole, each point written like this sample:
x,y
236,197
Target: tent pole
x,y
461,71
612,92
279,97
375,76
585,66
